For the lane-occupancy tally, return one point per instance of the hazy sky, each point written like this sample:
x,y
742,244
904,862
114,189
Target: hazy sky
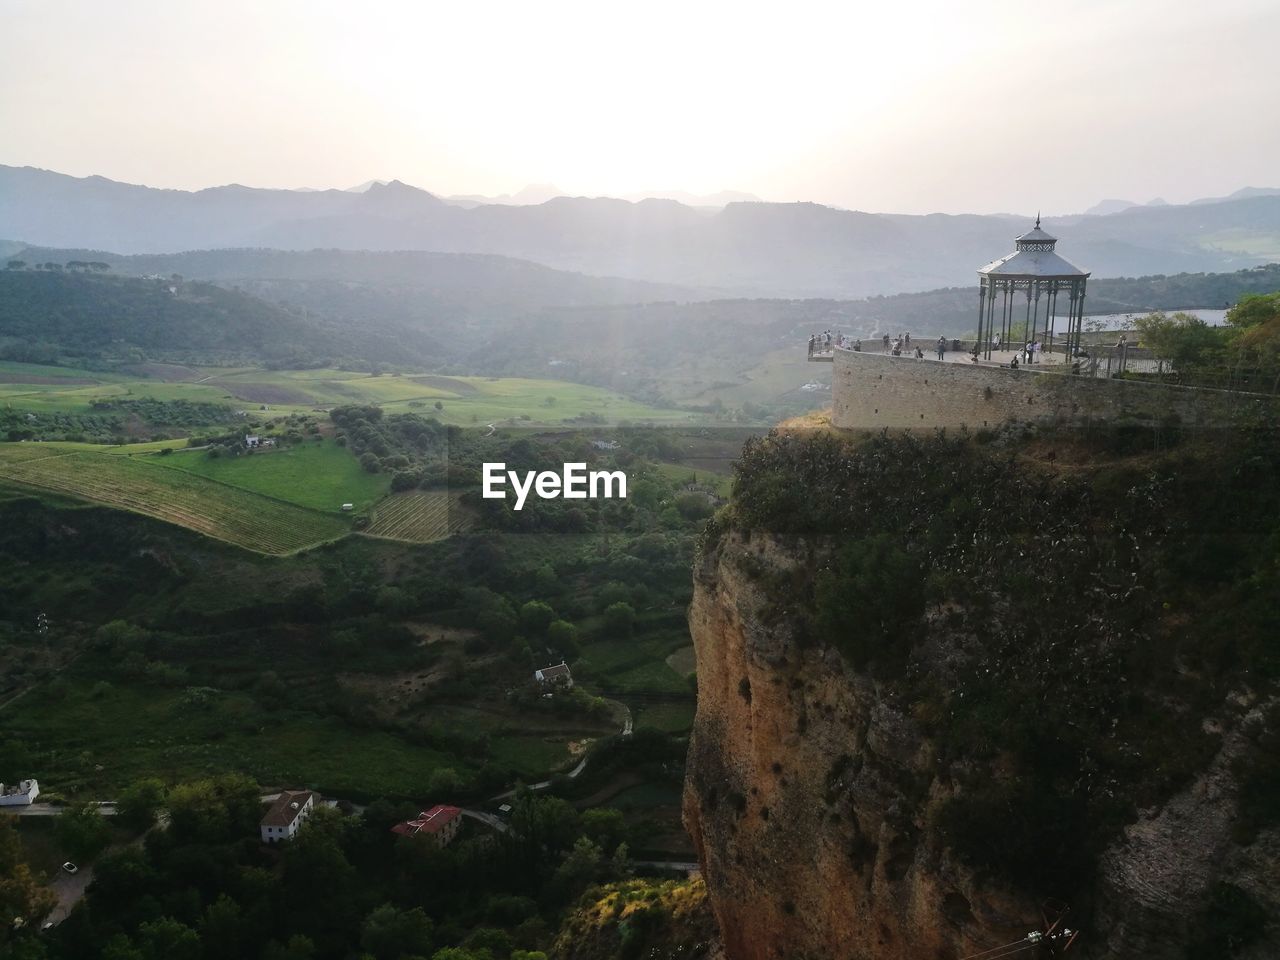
x,y
887,106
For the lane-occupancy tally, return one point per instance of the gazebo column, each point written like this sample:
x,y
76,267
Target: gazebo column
x,y
982,303
1052,315
1004,317
991,323
1026,324
1080,315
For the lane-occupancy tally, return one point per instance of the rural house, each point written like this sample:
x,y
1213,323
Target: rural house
x,y
21,794
557,676
440,824
289,811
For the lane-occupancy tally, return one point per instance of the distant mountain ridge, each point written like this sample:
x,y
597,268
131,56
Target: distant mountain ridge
x,y
743,249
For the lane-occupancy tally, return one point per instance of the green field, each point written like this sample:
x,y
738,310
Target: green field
x,y
91,743
669,717
636,666
466,401
320,475
217,510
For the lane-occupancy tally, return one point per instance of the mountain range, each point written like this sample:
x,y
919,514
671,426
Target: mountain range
x,y
742,249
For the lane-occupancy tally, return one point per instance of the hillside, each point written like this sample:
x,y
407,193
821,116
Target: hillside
x,y
460,283
942,683
450,314
45,314
749,249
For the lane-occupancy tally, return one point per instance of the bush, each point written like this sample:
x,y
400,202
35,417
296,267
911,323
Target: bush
x,y
867,600
620,619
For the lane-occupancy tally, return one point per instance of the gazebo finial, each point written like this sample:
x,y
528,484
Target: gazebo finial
x,y
1037,219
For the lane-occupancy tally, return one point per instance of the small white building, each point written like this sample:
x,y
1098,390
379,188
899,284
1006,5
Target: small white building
x,y
557,676
21,794
289,812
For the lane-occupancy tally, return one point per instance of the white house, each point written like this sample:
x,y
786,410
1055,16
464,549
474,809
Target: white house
x,y
558,676
289,812
21,794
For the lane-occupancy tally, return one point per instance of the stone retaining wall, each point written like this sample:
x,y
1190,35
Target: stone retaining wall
x,y
871,391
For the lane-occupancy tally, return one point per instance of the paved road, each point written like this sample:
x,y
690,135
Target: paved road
x,y
69,889
105,807
488,819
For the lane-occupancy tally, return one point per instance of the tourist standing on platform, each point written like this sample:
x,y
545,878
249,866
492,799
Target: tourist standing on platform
x,y
886,343
942,348
857,346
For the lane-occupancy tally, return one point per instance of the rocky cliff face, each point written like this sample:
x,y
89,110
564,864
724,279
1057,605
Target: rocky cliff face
x,y
812,796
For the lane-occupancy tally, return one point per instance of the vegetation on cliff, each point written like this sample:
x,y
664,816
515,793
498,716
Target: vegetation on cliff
x,y
659,920
1058,612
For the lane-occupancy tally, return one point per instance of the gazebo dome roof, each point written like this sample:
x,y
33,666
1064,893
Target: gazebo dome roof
x,y
1035,259
1036,235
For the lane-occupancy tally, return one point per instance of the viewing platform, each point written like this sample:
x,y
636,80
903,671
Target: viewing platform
x,y
1095,360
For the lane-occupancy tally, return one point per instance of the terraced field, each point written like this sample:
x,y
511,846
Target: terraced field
x,y
214,509
419,516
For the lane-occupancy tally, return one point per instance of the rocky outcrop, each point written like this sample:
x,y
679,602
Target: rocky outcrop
x,y
811,796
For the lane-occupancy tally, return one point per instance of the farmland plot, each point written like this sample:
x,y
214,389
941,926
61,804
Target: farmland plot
x,y
420,516
214,509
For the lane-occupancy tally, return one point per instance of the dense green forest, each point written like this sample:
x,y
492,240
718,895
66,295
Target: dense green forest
x,y
75,317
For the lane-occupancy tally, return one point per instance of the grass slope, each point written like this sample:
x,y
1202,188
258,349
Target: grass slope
x,y
91,739
321,476
218,510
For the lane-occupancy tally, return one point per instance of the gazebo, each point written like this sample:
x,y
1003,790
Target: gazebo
x,y
1036,270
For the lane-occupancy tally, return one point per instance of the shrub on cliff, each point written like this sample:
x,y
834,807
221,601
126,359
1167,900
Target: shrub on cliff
x,y
867,599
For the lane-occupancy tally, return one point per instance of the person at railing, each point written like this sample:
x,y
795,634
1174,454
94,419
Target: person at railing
x,y
942,348
857,346
1013,364
886,343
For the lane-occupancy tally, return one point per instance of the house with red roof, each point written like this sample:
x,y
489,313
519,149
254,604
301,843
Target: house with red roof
x,y
439,824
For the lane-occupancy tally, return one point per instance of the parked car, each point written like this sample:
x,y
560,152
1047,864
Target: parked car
x,y
70,867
